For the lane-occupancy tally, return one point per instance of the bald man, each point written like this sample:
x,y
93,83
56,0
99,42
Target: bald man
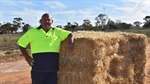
x,y
44,44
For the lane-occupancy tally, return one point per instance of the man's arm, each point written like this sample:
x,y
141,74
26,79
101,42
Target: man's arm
x,y
26,55
71,42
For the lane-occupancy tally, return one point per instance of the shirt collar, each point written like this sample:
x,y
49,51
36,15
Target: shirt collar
x,y
40,27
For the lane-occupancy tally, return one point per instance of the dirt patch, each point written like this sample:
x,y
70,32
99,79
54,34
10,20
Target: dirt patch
x,y
18,72
15,72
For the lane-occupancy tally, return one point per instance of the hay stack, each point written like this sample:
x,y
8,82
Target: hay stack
x,y
103,58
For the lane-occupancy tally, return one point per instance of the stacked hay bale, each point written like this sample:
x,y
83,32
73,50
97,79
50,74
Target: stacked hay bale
x,y
103,58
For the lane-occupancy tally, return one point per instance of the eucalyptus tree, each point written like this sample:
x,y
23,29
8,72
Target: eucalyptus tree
x,y
101,20
147,18
110,25
147,22
124,26
74,25
17,23
137,24
68,26
71,26
26,27
87,24
117,24
59,26
6,28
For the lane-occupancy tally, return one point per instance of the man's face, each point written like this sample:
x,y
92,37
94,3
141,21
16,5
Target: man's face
x,y
46,21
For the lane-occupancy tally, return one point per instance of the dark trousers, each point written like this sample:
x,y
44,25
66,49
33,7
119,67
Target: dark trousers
x,y
44,77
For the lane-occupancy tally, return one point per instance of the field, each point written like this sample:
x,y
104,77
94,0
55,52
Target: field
x,y
15,70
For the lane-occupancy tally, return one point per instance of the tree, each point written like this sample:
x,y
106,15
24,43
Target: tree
x,y
121,25
6,28
87,24
26,27
117,24
74,25
124,26
137,24
111,24
71,26
68,26
147,18
59,26
147,22
101,20
17,24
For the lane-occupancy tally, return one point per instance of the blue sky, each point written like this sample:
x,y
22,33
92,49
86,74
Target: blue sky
x,y
62,11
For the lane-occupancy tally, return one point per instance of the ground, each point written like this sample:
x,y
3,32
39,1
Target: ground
x,y
19,73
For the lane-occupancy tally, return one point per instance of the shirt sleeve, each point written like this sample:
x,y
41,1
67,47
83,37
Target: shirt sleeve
x,y
64,34
24,40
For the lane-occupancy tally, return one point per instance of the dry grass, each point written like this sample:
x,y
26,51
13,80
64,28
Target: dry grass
x,y
8,41
9,50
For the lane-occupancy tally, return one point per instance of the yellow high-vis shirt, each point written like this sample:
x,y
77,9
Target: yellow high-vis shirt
x,y
41,42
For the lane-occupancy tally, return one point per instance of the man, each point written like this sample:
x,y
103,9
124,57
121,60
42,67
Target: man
x,y
44,43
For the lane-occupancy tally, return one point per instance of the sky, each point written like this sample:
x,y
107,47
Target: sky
x,y
63,11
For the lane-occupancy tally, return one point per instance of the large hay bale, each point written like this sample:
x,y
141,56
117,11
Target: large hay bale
x,y
104,58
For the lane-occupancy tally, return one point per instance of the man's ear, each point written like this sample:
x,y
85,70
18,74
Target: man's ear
x,y
52,21
40,21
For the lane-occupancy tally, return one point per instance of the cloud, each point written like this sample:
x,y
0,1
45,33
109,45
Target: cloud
x,y
15,4
76,15
136,12
29,16
8,3
130,10
54,4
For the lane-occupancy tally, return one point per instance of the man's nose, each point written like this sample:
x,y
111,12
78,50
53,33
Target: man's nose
x,y
46,21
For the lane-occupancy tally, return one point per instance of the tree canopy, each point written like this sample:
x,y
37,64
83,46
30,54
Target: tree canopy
x,y
102,22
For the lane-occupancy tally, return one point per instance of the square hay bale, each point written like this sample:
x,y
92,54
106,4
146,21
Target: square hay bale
x,y
103,58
